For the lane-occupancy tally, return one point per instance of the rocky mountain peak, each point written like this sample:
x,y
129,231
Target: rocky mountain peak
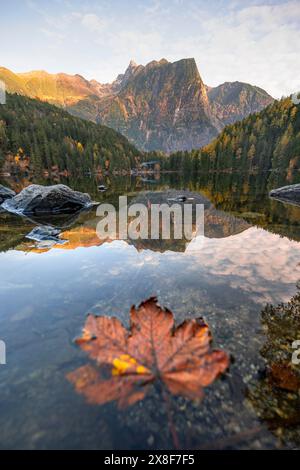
x,y
123,78
132,64
159,106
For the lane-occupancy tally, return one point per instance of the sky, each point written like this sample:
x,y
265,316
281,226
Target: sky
x,y
254,41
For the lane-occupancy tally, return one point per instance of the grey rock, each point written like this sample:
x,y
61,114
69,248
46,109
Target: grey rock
x,y
289,194
36,199
5,193
45,233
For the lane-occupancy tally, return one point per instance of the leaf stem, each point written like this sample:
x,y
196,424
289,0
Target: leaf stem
x,y
171,424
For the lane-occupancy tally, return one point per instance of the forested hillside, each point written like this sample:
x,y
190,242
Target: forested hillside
x,y
269,140
37,136
161,106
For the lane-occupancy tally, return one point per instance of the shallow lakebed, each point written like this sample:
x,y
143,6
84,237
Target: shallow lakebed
x,y
249,257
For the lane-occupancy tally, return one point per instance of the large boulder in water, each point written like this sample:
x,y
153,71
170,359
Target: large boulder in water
x,y
5,193
36,199
289,194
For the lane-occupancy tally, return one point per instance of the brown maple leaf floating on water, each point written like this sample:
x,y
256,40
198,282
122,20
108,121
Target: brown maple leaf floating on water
x,y
153,351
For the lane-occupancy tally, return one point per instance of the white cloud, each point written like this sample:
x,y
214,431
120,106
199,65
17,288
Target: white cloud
x,y
256,44
243,261
92,22
52,34
254,41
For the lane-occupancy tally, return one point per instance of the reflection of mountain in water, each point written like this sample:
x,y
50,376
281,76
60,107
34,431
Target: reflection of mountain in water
x,y
246,196
233,203
81,228
217,224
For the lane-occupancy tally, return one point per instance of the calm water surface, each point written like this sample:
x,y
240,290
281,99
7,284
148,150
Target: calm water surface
x,y
250,257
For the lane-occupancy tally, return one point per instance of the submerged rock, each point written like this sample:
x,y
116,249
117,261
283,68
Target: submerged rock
x,y
180,198
287,194
281,325
36,199
45,233
275,394
46,237
5,193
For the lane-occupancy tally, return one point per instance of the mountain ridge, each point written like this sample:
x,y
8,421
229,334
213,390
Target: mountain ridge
x,y
158,106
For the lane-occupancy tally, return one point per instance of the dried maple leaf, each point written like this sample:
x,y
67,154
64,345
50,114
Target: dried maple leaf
x,y
180,359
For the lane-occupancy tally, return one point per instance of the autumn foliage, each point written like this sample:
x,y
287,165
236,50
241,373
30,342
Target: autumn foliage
x,y
153,352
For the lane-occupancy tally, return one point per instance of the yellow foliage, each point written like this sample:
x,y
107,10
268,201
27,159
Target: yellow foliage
x,y
294,112
80,147
124,362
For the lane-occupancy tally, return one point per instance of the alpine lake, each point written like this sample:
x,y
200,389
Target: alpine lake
x,y
249,258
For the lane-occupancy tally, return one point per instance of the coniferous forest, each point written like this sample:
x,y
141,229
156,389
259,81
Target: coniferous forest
x,y
268,140
41,136
37,137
